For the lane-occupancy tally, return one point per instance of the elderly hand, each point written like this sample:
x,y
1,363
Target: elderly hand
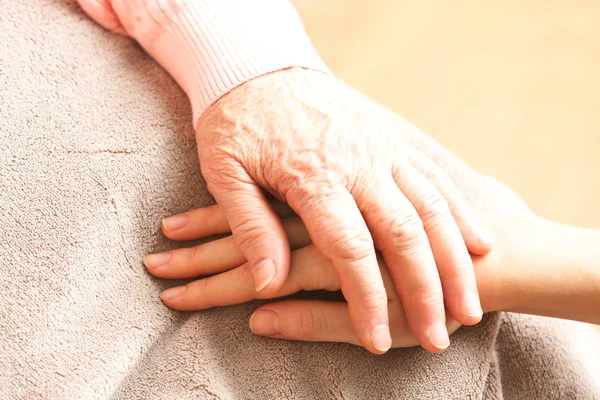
x,y
339,161
334,156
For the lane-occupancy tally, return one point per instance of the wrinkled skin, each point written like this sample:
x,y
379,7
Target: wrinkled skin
x,y
338,160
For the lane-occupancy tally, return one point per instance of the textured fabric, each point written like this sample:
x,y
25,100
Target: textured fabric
x,y
96,149
212,46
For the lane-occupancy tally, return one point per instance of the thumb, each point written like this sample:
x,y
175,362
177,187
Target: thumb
x,y
257,230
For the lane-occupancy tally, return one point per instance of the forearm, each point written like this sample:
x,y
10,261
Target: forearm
x,y
544,268
212,46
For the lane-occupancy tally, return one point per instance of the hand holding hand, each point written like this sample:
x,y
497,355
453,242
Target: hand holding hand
x,y
334,156
339,161
233,283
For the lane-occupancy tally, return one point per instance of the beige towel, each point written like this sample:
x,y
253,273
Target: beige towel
x,y
95,149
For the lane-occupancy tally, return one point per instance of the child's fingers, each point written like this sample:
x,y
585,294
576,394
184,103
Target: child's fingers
x,y
196,224
325,321
207,221
309,270
228,288
205,259
306,320
214,257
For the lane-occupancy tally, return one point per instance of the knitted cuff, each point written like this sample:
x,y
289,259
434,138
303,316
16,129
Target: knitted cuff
x,y
213,46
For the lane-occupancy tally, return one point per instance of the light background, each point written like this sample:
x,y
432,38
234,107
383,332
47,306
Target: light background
x,y
512,87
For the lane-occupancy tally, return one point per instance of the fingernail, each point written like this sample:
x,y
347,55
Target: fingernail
x,y
471,306
172,293
156,260
264,272
381,337
175,222
438,335
264,323
484,235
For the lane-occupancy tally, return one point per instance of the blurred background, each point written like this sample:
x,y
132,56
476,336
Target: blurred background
x,y
511,87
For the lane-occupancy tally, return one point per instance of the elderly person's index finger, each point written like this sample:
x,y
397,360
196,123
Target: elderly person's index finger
x,y
340,233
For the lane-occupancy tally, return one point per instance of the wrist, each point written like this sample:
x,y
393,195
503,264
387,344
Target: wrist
x,y
290,89
543,268
488,271
211,47
559,271
498,273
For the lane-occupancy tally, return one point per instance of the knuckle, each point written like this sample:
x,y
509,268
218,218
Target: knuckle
x,y
302,189
433,210
441,180
431,204
374,304
223,173
406,234
462,269
351,245
429,296
249,231
204,286
308,324
303,176
194,254
433,172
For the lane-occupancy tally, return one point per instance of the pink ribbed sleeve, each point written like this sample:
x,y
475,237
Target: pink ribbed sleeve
x,y
212,46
